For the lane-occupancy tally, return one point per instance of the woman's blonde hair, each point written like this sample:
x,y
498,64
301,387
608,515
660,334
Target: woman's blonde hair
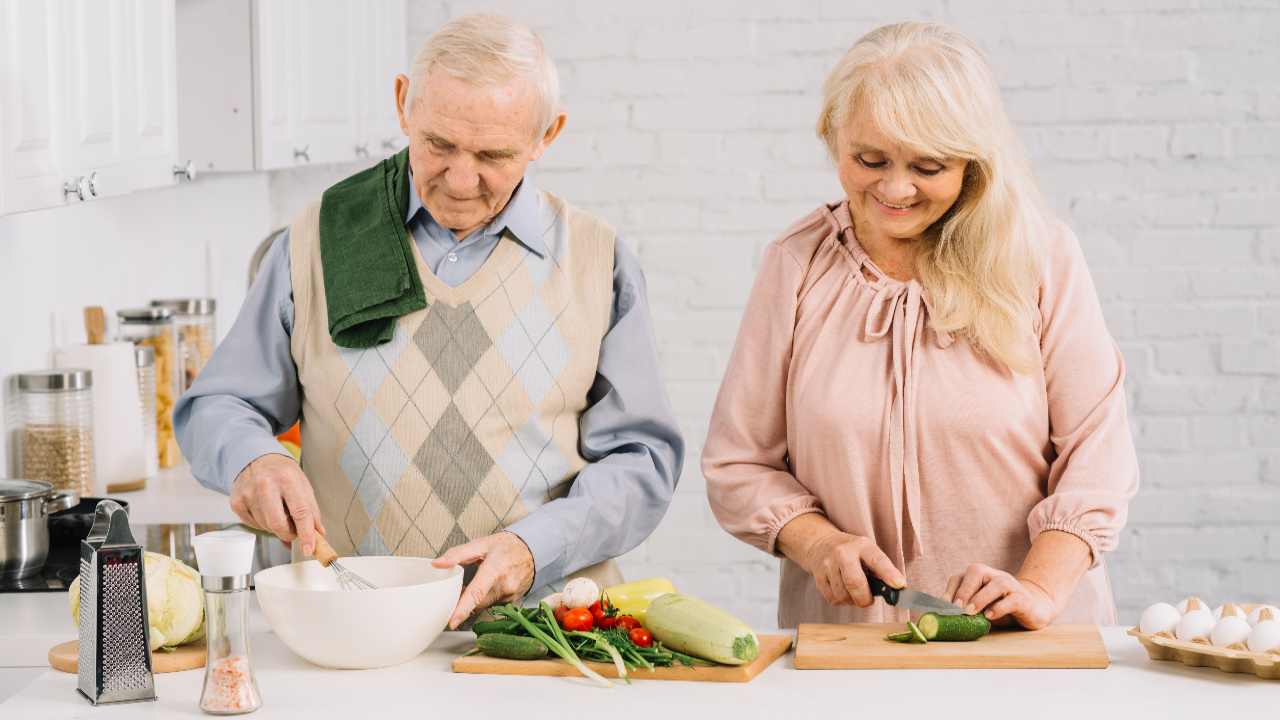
x,y
487,49
929,89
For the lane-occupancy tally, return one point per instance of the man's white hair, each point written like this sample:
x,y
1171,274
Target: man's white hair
x,y
486,49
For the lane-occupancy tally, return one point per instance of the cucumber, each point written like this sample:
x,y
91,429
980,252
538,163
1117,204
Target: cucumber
x,y
915,630
953,627
901,637
511,647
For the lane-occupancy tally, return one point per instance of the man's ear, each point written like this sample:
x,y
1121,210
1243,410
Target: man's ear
x,y
550,135
402,96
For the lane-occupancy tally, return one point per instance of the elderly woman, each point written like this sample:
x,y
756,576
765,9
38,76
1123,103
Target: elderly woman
x,y
923,387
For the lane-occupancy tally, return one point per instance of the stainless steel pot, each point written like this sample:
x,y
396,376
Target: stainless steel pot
x,y
24,532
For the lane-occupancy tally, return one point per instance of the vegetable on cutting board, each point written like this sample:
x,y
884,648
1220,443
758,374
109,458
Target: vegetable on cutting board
x,y
689,625
175,603
633,598
511,647
953,628
580,593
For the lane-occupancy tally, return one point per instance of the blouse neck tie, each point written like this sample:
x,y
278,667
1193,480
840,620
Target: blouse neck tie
x,y
898,310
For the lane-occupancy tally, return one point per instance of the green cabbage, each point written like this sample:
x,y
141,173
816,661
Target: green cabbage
x,y
175,602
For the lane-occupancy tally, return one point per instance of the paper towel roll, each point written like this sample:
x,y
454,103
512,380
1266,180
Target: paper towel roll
x,y
117,416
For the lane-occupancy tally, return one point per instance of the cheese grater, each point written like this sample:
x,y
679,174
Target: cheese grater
x,y
114,665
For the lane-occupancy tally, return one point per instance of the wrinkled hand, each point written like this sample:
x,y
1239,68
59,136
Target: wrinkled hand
x,y
997,594
505,572
272,494
836,562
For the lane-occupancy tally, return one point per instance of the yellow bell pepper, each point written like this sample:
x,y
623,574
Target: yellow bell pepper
x,y
633,598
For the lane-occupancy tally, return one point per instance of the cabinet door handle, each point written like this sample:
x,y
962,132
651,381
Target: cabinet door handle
x,y
301,154
93,184
389,144
78,190
189,172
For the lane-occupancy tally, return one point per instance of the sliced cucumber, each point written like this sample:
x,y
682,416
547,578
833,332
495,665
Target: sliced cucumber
x,y
915,630
954,627
900,637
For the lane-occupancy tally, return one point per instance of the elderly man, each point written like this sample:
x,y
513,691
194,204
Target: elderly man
x,y
472,359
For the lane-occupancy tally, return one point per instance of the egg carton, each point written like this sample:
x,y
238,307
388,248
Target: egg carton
x,y
1159,647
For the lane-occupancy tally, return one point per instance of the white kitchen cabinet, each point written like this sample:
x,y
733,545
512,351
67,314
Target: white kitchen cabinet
x,y
33,143
312,81
87,100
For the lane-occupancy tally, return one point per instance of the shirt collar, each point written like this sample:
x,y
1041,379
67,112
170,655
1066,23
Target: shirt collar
x,y
520,216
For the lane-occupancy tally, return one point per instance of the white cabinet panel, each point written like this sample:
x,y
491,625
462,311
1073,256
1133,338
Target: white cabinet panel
x,y
155,104
382,57
33,149
100,88
325,79
274,52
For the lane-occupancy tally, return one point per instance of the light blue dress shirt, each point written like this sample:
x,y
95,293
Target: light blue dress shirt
x,y
248,393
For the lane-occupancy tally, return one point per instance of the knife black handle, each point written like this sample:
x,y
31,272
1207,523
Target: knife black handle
x,y
882,588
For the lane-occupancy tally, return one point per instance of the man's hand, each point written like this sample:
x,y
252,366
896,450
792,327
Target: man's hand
x,y
272,494
505,572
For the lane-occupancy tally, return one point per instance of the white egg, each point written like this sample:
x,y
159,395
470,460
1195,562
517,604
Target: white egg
x,y
1265,636
1182,606
1230,629
1235,610
1161,617
1196,623
1253,616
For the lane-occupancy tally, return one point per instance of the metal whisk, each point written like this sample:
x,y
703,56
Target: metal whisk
x,y
347,580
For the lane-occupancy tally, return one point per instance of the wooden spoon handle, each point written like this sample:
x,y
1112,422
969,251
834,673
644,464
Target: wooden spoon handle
x,y
324,553
95,324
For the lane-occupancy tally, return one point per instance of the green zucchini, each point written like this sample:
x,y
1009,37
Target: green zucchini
x,y
511,647
953,627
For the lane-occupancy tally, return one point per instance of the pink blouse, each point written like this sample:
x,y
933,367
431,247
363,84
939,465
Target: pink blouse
x,y
840,398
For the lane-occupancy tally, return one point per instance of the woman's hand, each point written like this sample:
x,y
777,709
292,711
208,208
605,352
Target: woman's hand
x,y
997,594
1038,595
836,560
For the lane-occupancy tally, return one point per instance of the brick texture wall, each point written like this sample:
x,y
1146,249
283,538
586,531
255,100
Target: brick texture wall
x,y
1155,127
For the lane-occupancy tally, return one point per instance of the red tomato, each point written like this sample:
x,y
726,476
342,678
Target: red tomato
x,y
578,619
560,613
640,637
602,622
626,623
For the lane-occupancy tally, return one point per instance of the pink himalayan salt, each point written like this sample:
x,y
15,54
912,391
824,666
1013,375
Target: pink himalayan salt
x,y
231,686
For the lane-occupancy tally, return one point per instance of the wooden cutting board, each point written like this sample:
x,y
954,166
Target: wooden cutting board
x,y
65,657
862,646
772,647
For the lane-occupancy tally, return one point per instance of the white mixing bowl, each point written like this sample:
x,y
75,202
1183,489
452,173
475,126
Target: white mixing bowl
x,y
359,629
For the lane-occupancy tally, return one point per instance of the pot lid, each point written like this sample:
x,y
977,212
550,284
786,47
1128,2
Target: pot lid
x,y
54,381
188,306
23,489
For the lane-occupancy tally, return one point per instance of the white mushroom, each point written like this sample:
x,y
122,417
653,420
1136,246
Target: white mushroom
x,y
1161,617
580,593
1195,624
553,600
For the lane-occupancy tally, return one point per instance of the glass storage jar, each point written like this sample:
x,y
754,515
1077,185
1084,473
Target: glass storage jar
x,y
146,361
154,328
56,407
194,318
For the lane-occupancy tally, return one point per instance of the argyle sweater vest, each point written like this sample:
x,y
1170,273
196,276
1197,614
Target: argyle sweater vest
x,y
467,420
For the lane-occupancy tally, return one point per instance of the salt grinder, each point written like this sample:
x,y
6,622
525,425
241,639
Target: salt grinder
x,y
225,558
114,665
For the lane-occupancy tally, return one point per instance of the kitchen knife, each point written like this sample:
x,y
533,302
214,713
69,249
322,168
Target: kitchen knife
x,y
912,599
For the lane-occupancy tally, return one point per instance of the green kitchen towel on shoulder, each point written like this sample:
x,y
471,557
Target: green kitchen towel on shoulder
x,y
370,275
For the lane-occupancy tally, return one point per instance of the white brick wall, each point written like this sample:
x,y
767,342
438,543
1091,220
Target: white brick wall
x,y
1155,126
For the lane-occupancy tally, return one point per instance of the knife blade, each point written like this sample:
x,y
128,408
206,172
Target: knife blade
x,y
912,599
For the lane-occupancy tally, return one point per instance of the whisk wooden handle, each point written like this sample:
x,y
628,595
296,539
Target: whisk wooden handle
x,y
324,552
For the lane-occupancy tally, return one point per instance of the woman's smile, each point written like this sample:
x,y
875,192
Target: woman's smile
x,y
891,209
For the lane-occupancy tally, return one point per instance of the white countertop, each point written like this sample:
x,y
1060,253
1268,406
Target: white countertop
x,y
176,497
1133,687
